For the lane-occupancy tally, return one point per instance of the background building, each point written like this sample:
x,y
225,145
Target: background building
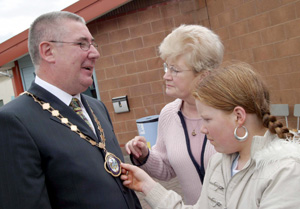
x,y
264,33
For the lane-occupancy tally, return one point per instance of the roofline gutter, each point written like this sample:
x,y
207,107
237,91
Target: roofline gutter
x,y
16,47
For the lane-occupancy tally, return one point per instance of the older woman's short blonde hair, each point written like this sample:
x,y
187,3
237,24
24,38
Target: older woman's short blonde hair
x,y
201,47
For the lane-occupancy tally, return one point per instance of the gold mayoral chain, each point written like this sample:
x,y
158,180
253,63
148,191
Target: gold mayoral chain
x,y
112,163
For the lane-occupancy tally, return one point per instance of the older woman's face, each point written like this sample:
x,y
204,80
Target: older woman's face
x,y
178,78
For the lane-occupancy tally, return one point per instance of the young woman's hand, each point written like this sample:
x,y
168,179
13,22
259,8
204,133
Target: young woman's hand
x,y
136,178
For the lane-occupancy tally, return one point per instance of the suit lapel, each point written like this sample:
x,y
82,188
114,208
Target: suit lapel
x,y
63,109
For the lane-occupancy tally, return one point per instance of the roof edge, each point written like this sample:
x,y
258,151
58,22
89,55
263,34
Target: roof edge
x,y
16,46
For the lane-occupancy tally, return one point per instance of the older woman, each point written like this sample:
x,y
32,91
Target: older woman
x,y
181,149
258,164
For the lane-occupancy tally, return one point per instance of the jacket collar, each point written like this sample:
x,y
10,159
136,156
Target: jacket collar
x,y
64,110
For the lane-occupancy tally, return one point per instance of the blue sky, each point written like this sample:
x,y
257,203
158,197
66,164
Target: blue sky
x,y
17,15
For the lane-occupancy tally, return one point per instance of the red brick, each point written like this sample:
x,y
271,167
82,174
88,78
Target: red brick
x,y
283,2
170,10
272,82
132,44
229,4
215,7
109,107
188,18
158,87
116,71
149,76
120,92
273,34
104,96
259,67
153,99
123,138
227,18
119,35
120,127
187,6
123,58
128,20
264,53
289,81
155,63
131,125
107,26
223,33
140,30
246,10
135,67
108,84
292,28
297,8
238,29
140,90
268,5
202,3
232,45
288,48
111,49
297,96
201,16
282,14
215,23
124,116
245,56
128,80
154,39
102,39
145,53
92,28
149,15
100,74
158,108
104,62
144,111
259,22
278,66
135,101
295,63
162,25
251,40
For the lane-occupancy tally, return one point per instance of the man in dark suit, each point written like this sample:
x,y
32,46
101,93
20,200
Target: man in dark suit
x,y
50,156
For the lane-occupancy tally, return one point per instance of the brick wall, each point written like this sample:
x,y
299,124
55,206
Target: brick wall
x,y
264,33
130,64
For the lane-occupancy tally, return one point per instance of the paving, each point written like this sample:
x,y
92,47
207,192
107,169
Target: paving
x,y
172,184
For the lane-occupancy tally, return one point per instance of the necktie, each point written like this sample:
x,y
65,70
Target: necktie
x,y
75,104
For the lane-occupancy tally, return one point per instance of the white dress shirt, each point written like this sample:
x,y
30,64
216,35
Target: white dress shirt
x,y
63,96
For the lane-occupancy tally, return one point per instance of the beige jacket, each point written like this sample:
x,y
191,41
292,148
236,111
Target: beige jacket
x,y
270,180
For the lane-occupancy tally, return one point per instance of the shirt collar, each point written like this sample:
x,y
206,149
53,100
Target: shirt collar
x,y
60,94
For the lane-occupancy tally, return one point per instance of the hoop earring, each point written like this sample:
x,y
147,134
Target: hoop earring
x,y
241,138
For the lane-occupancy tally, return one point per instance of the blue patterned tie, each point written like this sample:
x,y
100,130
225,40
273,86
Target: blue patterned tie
x,y
75,104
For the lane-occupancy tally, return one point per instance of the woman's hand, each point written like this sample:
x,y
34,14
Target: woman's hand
x,y
136,178
137,147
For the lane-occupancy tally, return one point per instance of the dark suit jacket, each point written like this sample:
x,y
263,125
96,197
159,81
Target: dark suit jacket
x,y
43,164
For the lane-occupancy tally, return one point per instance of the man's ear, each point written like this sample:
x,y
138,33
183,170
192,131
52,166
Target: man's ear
x,y
47,52
240,115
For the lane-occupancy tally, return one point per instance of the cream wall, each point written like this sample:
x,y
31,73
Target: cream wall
x,y
6,89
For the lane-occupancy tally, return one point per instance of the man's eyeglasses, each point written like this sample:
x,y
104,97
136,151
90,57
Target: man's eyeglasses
x,y
172,69
84,45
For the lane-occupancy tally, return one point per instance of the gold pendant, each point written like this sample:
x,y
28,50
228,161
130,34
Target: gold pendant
x,y
112,164
194,133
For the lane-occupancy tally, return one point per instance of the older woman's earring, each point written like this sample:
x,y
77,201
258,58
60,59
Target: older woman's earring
x,y
239,138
